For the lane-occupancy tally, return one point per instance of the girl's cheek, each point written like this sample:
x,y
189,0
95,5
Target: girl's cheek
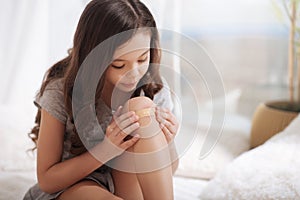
x,y
143,70
120,75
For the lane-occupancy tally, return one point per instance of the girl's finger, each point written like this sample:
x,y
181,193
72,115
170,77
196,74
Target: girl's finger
x,y
128,130
118,112
125,145
160,119
162,113
172,118
128,121
166,114
112,125
124,116
169,126
166,132
126,125
167,118
112,130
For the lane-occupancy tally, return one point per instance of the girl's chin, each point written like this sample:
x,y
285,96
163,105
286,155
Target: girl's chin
x,y
126,89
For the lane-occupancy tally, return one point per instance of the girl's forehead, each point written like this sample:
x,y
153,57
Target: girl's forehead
x,y
140,42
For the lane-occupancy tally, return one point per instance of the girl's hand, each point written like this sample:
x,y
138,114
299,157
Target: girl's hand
x,y
167,122
121,126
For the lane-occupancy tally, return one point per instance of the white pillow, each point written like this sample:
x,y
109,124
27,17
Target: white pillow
x,y
270,171
233,141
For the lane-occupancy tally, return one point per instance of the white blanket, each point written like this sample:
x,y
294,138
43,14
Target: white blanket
x,y
270,171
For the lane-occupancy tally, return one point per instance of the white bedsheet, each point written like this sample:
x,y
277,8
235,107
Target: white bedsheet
x,y
13,185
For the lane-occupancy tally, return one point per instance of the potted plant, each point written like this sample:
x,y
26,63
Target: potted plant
x,y
272,117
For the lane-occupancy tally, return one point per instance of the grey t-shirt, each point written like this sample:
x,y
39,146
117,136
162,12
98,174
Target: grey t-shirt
x,y
52,101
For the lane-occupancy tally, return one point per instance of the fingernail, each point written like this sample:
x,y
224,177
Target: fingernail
x,y
161,118
137,135
134,118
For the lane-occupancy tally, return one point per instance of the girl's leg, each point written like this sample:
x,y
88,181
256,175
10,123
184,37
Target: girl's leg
x,y
88,190
155,182
127,185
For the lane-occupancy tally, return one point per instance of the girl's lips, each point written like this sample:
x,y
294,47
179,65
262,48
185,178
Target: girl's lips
x,y
129,84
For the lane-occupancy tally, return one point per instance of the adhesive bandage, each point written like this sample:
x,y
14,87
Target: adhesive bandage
x,y
147,112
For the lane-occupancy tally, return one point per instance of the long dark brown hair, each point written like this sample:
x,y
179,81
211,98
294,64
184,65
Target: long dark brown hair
x,y
100,20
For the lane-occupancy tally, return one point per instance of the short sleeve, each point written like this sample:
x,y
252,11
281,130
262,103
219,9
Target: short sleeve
x,y
52,101
163,98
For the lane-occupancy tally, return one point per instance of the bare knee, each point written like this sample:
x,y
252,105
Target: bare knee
x,y
152,140
145,109
149,130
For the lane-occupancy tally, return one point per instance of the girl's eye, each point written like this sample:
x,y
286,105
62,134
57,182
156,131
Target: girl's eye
x,y
144,60
116,66
121,66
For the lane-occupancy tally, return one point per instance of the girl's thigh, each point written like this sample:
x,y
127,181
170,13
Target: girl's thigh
x,y
88,190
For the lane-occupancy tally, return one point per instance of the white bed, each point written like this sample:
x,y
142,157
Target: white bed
x,y
17,167
271,171
14,185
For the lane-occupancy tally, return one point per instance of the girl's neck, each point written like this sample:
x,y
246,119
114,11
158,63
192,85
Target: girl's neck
x,y
120,97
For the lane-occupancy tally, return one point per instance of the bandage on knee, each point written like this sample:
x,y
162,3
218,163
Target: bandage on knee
x,y
147,112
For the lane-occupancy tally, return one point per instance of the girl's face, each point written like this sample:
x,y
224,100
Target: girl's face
x,y
130,63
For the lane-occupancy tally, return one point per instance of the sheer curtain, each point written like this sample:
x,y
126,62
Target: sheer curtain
x,y
241,36
34,35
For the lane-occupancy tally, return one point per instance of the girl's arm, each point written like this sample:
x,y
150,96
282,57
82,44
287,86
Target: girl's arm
x,y
54,175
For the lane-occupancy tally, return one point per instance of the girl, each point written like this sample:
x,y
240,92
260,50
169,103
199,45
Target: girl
x,y
66,167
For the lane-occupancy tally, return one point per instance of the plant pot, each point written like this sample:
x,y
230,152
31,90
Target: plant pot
x,y
271,118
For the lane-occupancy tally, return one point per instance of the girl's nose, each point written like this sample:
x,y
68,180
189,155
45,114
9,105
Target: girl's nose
x,y
134,72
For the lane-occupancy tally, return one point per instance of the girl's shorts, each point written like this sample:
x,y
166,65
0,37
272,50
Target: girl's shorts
x,y
103,179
